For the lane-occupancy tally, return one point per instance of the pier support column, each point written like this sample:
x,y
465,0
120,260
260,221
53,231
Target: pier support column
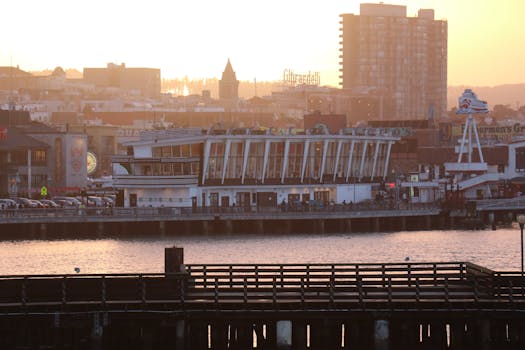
x,y
428,222
403,223
100,228
259,226
284,335
478,334
180,334
404,334
198,335
123,227
359,334
147,338
219,336
331,334
244,332
492,221
381,335
498,334
457,335
299,335
43,231
438,335
376,225
205,227
320,226
287,227
96,333
228,227
348,225
186,227
162,228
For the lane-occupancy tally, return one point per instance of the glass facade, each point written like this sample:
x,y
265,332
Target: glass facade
x,y
257,159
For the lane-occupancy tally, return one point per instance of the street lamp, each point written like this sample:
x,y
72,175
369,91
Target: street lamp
x,y
521,221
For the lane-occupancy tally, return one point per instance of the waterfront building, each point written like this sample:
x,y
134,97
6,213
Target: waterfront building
x,y
402,59
33,155
246,167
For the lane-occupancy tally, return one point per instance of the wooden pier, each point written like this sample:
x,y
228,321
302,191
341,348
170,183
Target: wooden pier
x,y
455,305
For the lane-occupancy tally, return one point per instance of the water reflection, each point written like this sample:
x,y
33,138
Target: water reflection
x,y
494,249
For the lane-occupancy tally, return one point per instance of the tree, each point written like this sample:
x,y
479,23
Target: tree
x,y
503,111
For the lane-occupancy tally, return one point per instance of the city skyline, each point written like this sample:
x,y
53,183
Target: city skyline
x,y
261,39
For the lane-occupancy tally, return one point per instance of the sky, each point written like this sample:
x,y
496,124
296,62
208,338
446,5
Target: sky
x,y
195,38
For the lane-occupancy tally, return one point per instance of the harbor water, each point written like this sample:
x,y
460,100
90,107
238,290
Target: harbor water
x,y
499,250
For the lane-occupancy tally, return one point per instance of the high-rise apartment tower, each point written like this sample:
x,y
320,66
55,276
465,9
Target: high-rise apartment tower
x,y
401,59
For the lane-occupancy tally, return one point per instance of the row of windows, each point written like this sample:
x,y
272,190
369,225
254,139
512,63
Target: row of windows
x,y
294,167
166,169
193,150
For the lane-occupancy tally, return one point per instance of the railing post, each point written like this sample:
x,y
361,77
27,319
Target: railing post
x,y
302,290
24,292
216,291
63,285
274,290
446,290
245,290
308,276
103,296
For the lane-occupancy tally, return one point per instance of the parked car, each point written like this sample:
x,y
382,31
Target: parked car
x,y
37,203
25,203
94,201
71,200
48,203
108,201
65,203
6,203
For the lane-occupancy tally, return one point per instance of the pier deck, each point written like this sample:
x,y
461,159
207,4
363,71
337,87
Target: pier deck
x,y
273,306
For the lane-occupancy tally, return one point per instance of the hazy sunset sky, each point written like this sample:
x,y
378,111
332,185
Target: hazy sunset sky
x,y
262,38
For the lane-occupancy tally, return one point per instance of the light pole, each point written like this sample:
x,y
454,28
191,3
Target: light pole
x,y
521,221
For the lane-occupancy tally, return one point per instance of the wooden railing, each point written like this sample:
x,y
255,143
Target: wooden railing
x,y
403,285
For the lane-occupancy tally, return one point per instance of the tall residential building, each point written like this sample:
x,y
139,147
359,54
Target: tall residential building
x,y
401,59
228,85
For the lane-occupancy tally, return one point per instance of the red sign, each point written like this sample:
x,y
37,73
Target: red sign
x,y
3,134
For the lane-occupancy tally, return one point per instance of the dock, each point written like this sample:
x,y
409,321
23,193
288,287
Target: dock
x,y
440,305
94,222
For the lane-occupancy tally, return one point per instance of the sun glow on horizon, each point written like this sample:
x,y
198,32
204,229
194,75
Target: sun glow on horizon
x,y
485,42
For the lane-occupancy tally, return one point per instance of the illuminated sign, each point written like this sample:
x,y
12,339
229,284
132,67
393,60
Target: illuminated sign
x,y
291,78
91,163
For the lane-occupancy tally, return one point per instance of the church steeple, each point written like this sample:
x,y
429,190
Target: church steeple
x,y
228,85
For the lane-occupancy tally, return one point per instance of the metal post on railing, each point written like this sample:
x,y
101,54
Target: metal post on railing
x,y
274,290
245,290
302,290
521,221
216,294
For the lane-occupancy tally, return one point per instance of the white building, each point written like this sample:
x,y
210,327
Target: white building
x,y
246,167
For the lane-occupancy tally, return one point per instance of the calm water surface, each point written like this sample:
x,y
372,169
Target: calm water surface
x,y
498,250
